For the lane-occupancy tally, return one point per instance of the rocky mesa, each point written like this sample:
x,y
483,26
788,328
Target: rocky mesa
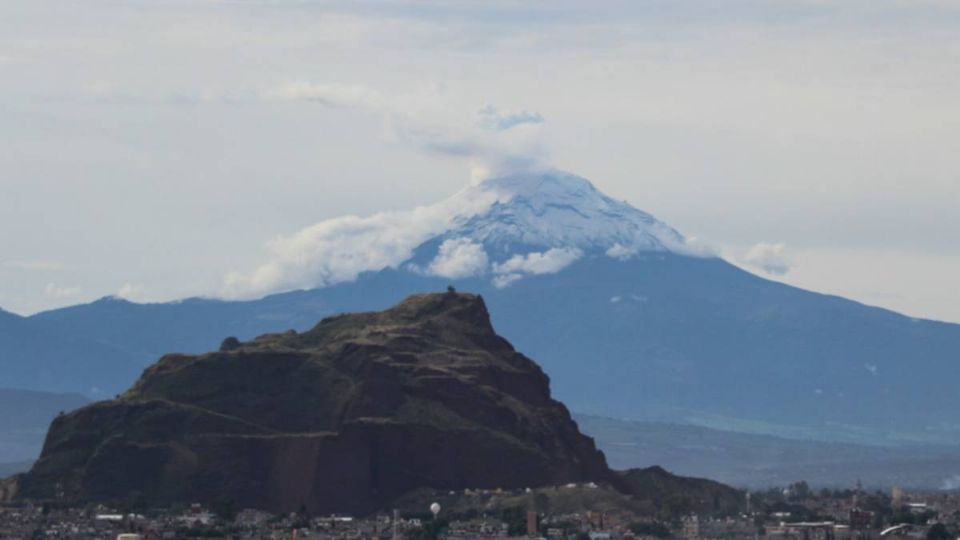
x,y
345,417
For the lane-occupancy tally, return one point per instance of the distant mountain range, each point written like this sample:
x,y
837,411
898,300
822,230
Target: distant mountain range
x,y
23,425
38,356
628,318
760,461
9,469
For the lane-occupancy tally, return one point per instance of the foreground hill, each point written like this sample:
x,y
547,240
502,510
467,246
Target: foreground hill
x,y
345,417
629,320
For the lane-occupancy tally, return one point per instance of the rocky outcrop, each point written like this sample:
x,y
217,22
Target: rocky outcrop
x,y
679,495
345,417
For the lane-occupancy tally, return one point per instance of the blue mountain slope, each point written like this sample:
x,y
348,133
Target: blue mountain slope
x,y
762,461
627,318
35,356
23,425
661,337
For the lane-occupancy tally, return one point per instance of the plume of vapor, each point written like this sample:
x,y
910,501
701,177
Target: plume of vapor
x,y
769,257
497,142
340,249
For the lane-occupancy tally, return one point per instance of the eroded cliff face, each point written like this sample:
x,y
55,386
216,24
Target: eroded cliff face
x,y
342,418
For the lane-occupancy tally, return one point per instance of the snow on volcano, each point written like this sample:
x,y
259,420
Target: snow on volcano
x,y
506,227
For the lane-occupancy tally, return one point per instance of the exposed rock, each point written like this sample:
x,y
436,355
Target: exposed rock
x,y
346,417
230,344
342,418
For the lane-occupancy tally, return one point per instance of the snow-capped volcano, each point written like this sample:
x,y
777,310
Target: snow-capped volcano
x,y
560,210
568,276
504,227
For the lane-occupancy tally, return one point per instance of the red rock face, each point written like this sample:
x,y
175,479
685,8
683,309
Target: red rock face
x,y
343,418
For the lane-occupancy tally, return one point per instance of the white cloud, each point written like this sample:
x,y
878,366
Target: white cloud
x,y
691,246
338,250
99,89
330,94
57,292
130,291
505,280
619,251
489,117
33,265
428,119
540,262
769,257
459,258
628,93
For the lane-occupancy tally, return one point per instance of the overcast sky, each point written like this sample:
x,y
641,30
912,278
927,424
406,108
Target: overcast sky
x,y
150,148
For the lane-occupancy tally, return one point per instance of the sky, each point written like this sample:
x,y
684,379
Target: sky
x,y
151,149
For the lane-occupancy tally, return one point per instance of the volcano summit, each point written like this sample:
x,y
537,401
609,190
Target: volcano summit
x,y
629,319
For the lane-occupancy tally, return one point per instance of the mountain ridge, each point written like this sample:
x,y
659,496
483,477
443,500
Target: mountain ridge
x,y
760,461
648,335
345,417
27,414
561,210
